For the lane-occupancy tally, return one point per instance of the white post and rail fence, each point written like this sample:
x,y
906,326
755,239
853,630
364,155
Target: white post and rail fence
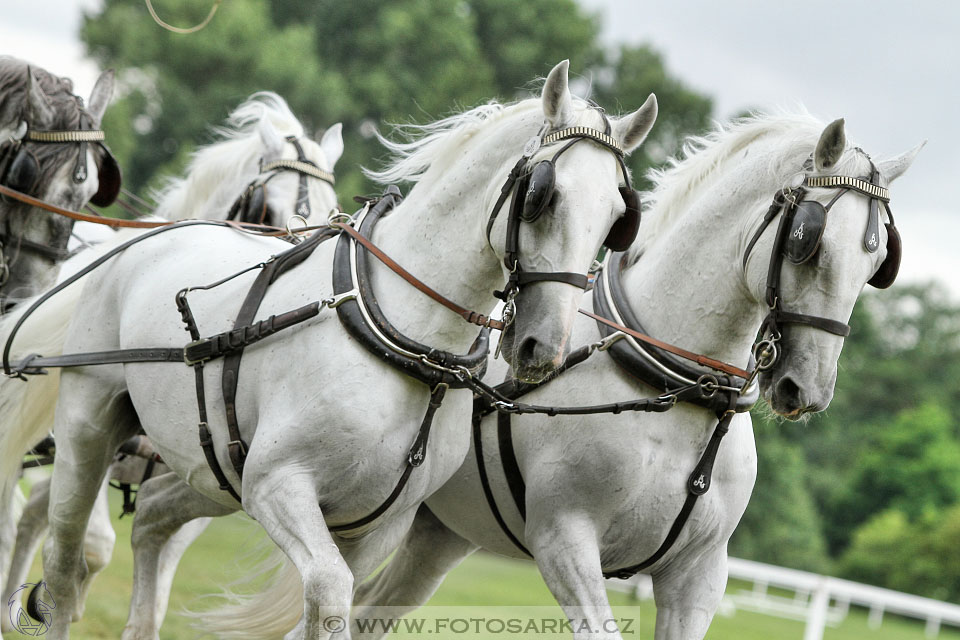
x,y
818,600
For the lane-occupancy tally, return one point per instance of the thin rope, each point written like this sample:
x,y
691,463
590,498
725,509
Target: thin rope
x,y
170,27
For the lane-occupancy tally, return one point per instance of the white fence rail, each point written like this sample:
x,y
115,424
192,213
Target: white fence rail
x,y
813,595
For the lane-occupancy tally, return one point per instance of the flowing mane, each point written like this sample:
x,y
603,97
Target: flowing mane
x,y
429,144
704,160
218,171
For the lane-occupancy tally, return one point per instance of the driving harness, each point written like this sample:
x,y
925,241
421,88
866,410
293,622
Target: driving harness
x,y
798,240
357,308
252,207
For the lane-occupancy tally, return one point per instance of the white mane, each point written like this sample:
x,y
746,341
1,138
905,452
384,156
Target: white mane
x,y
219,171
704,160
428,144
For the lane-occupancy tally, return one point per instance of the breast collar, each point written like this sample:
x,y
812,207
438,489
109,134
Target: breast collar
x,y
646,363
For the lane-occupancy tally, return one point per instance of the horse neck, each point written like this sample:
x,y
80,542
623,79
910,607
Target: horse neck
x,y
212,185
438,233
688,285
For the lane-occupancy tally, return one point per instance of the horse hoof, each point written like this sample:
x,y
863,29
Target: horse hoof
x,y
31,607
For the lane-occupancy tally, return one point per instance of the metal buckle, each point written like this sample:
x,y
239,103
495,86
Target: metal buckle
x,y
191,356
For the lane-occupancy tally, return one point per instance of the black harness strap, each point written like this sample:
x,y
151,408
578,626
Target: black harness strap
x,y
511,468
485,482
697,483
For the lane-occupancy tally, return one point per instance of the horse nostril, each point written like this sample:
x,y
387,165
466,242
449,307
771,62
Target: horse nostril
x,y
787,394
527,351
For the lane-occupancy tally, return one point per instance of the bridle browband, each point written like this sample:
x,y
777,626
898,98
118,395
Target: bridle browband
x,y
790,203
518,182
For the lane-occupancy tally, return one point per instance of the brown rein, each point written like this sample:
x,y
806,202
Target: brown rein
x,y
133,224
677,351
470,316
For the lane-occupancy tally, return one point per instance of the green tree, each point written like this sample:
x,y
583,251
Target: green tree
x,y
366,63
183,84
627,80
781,525
918,556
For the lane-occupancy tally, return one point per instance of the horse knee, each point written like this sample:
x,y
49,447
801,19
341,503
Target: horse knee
x,y
327,584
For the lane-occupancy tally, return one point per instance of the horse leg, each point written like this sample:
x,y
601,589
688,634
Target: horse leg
x,y
98,545
30,530
8,527
285,502
163,528
87,434
568,557
688,593
427,553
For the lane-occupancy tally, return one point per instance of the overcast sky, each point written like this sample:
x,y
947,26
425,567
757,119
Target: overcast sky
x,y
891,68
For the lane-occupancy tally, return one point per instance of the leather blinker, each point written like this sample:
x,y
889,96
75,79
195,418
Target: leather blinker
x,y
20,171
540,188
251,207
109,178
624,230
805,232
887,273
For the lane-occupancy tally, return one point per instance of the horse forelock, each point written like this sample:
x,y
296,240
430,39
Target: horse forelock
x,y
217,172
59,93
705,159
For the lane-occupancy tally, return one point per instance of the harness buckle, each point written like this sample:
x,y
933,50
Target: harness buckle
x,y
198,351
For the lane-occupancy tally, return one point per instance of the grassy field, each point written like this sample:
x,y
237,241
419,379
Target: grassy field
x,y
483,586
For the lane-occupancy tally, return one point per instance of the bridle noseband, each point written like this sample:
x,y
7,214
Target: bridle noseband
x,y
798,237
252,206
533,190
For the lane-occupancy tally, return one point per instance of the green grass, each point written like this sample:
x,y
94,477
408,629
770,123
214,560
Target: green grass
x,y
504,588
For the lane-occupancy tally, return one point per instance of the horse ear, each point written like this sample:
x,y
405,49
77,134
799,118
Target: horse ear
x,y
332,143
557,103
830,146
40,114
101,95
631,130
893,168
272,140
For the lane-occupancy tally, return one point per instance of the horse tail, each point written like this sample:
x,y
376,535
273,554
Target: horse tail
x,y
27,408
269,613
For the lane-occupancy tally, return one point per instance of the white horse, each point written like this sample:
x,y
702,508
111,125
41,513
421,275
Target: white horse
x,y
602,491
255,133
325,444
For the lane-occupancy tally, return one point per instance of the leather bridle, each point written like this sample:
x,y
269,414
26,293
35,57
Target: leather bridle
x,y
787,203
518,182
15,155
252,206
